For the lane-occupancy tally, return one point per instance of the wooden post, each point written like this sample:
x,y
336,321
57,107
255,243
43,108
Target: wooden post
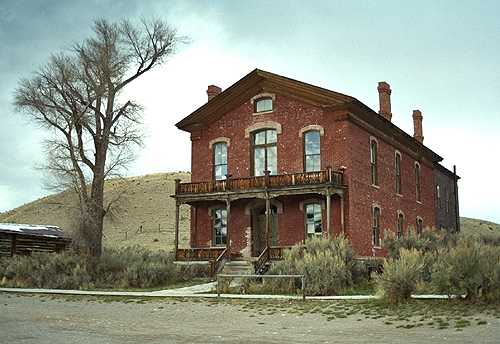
x,y
329,169
266,177
328,212
268,210
455,191
177,205
177,183
228,228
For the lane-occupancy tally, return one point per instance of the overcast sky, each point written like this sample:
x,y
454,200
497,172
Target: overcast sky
x,y
438,56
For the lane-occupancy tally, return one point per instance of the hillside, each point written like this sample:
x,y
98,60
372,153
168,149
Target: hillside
x,y
145,201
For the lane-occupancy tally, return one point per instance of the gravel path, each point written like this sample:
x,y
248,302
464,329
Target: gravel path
x,y
37,319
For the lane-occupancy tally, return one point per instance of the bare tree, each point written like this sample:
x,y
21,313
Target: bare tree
x,y
77,97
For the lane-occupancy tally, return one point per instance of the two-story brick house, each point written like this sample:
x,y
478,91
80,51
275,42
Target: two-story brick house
x,y
275,161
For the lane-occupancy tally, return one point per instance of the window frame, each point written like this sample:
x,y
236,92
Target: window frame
x,y
374,162
419,226
223,238
265,146
215,165
398,173
256,101
319,206
376,237
400,225
305,155
418,185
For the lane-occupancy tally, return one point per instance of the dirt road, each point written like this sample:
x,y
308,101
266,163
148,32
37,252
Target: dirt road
x,y
35,319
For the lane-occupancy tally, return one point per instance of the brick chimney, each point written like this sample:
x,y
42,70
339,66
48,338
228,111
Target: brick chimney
x,y
384,97
417,126
212,91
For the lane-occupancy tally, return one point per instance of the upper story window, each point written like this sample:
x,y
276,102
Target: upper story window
x,y
376,226
264,104
417,182
220,160
265,153
397,166
420,223
400,223
313,220
312,151
219,227
373,161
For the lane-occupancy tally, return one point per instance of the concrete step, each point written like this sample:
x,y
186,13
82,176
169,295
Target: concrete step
x,y
238,267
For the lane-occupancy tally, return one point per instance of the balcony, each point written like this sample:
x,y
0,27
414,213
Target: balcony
x,y
284,184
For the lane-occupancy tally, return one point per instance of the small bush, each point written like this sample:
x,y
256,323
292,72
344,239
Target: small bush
x,y
327,264
428,241
401,275
131,267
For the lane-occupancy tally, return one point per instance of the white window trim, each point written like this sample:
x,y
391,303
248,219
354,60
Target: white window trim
x,y
262,95
312,127
221,139
263,125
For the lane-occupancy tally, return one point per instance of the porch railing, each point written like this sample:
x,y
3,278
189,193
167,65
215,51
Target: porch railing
x,y
199,253
271,181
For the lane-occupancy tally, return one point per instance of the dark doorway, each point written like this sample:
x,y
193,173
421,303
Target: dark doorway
x,y
259,229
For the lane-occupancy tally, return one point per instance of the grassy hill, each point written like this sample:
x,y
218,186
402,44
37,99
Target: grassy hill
x,y
142,201
145,201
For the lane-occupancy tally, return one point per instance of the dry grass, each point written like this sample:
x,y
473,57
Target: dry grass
x,y
145,201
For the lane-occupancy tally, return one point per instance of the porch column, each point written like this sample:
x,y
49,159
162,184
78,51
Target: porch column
x,y
328,212
342,214
177,205
228,237
268,210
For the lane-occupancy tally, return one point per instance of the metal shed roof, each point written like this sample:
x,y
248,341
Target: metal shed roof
x,y
26,229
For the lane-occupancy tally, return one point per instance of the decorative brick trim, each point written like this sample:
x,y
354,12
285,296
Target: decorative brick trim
x,y
219,139
312,127
263,125
263,95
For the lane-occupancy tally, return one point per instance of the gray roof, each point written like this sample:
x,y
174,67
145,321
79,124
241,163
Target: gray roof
x,y
38,230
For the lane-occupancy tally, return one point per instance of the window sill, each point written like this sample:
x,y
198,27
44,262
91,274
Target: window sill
x,y
263,113
419,202
399,195
376,186
377,247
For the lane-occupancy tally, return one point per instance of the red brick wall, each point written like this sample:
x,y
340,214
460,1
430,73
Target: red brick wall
x,y
343,144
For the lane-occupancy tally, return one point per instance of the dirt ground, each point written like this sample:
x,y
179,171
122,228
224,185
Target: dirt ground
x,y
42,319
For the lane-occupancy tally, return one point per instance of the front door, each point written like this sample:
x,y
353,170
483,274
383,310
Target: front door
x,y
259,229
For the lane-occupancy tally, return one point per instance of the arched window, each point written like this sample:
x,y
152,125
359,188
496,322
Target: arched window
x,y
312,151
400,224
376,226
220,160
265,153
373,161
419,227
219,227
313,220
397,166
417,182
263,104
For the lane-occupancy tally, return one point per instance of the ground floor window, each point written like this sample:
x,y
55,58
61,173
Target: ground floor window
x,y
419,225
220,226
400,225
376,227
313,220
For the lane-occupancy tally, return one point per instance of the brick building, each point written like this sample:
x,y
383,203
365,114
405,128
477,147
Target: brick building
x,y
275,160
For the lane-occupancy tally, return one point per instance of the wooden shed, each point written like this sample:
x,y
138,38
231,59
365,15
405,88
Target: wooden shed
x,y
23,239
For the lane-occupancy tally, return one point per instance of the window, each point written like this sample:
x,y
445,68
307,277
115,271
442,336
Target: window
x,y
220,226
313,220
417,182
400,223
264,152
312,151
397,166
419,225
438,196
447,200
220,160
373,162
263,104
376,226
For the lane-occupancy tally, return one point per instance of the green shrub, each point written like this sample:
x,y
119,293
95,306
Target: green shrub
x,y
327,264
132,267
428,241
471,268
401,275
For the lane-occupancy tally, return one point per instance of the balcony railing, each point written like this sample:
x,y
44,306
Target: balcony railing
x,y
267,181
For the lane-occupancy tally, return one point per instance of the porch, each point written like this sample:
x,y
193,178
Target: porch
x,y
261,198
